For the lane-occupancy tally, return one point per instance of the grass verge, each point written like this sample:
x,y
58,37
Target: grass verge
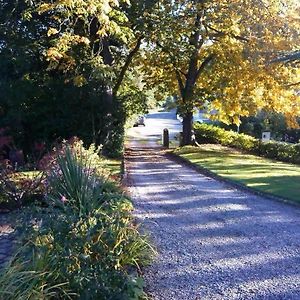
x,y
261,174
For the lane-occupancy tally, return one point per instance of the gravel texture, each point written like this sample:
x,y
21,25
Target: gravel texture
x,y
214,241
7,239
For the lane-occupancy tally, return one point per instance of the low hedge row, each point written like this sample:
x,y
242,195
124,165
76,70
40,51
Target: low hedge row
x,y
276,150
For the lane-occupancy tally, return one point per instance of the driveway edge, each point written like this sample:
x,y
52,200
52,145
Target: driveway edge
x,y
234,184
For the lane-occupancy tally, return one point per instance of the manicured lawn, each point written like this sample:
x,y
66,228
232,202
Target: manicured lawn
x,y
277,178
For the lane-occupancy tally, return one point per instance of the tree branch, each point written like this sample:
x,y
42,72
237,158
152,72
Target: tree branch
x,y
179,79
293,84
126,65
203,65
221,33
184,74
173,61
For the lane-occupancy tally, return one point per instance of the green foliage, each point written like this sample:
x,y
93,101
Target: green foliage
x,y
61,69
73,182
276,150
114,145
281,151
19,188
85,245
17,282
269,121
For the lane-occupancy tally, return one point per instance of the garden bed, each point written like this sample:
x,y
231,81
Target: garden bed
x,y
82,243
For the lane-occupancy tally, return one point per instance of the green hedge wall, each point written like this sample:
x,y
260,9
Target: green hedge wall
x,y
276,150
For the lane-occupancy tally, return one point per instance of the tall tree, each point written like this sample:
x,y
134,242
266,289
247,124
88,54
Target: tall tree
x,y
218,51
64,64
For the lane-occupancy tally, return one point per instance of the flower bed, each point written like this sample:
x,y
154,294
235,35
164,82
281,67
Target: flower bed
x,y
84,243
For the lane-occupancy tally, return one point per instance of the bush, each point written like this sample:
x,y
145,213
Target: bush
x,y
19,188
114,144
84,245
276,150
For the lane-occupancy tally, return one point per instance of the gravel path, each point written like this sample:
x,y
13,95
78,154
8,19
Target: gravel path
x,y
214,242
7,239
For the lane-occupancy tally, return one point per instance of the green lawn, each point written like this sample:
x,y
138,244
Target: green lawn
x,y
277,178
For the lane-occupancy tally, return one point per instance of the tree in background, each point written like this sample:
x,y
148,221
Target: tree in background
x,y
82,67
219,52
63,68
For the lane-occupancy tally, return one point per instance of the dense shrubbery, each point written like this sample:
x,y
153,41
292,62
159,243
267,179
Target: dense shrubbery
x,y
84,244
275,150
114,145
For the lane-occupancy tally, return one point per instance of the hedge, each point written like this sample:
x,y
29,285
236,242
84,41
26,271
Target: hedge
x,y
276,150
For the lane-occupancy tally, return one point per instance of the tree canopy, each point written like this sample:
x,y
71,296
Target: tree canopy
x,y
63,68
220,51
75,67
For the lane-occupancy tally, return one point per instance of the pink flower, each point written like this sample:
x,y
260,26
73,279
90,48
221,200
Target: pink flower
x,y
63,199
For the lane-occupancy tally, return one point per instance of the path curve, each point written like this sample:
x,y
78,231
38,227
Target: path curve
x,y
214,241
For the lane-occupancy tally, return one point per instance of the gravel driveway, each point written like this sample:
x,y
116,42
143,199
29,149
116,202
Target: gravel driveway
x,y
7,238
214,242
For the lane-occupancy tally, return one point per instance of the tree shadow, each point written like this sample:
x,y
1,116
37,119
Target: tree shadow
x,y
214,241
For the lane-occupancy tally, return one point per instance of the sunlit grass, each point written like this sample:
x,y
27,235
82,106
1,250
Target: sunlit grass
x,y
113,169
113,165
26,175
277,178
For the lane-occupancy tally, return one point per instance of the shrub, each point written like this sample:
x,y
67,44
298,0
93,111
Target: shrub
x,y
276,150
84,245
114,144
20,282
18,188
73,180
245,142
92,257
296,148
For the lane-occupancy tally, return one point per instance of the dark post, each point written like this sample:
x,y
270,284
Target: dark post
x,y
180,139
166,140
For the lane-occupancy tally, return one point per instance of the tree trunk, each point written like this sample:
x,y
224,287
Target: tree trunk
x,y
187,128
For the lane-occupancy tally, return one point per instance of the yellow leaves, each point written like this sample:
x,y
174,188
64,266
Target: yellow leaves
x,y
92,8
79,81
83,40
217,104
59,55
54,54
26,77
104,10
52,31
66,64
27,15
65,2
236,120
102,32
106,6
44,7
